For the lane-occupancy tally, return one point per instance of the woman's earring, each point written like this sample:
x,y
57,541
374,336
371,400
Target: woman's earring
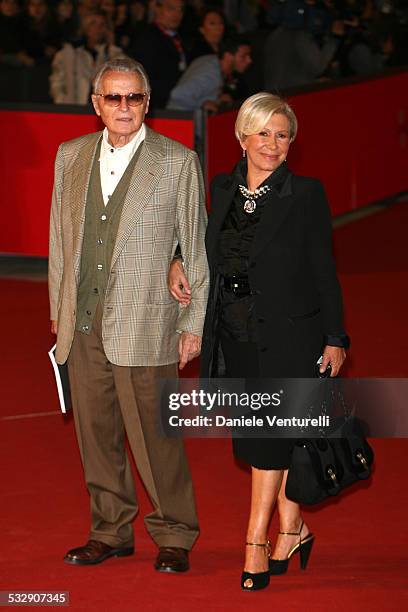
x,y
243,152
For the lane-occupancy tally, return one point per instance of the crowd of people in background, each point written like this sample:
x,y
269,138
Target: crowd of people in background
x,y
198,54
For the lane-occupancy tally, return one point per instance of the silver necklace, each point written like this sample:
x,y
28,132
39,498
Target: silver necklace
x,y
252,196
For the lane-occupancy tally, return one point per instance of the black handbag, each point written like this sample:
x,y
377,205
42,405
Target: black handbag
x,y
323,467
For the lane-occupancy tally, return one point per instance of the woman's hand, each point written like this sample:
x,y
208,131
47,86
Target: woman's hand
x,y
178,283
335,356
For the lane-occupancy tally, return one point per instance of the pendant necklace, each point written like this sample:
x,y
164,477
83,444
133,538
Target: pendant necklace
x,y
252,196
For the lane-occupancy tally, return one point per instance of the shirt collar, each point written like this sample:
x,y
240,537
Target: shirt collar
x,y
127,151
166,30
273,179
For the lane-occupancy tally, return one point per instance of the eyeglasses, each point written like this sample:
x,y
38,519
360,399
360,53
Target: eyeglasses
x,y
132,99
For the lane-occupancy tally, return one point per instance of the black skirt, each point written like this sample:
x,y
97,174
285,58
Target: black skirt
x,y
241,360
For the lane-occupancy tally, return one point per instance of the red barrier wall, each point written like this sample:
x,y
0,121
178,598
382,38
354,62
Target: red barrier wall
x,y
353,137
30,141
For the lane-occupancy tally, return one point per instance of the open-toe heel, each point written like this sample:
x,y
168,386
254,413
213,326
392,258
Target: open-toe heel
x,y
303,547
258,580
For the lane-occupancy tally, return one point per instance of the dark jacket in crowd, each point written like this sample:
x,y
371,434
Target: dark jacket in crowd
x,y
11,38
36,38
199,48
161,59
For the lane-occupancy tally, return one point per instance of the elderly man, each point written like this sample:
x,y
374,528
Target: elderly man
x,y
122,201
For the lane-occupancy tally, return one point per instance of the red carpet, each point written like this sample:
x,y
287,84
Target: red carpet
x,y
359,561
372,260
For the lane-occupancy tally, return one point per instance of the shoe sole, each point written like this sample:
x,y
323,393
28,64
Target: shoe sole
x,y
168,570
126,552
244,590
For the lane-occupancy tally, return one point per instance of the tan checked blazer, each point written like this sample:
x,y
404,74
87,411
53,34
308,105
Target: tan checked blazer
x,y
164,206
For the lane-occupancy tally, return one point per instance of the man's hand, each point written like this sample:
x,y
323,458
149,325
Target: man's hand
x,y
335,356
54,327
211,107
225,99
25,59
189,348
178,283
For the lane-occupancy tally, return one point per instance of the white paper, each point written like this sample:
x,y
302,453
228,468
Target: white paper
x,y
51,355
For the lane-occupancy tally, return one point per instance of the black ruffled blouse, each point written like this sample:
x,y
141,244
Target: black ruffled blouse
x,y
237,318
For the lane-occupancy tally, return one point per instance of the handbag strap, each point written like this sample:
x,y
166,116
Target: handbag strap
x,y
347,411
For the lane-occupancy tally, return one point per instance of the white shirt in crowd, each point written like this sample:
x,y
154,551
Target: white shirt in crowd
x,y
113,161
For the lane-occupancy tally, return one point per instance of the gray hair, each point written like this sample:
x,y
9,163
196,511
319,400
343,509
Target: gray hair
x,y
122,64
256,111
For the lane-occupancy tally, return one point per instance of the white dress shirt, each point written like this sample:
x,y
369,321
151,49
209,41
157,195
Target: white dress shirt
x,y
113,161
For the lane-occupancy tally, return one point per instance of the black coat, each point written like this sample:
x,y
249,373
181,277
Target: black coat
x,y
161,60
291,273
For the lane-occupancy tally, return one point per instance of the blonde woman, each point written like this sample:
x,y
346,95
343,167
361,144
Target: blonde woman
x,y
275,305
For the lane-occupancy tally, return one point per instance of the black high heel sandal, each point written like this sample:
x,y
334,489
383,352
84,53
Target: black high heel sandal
x,y
303,547
259,580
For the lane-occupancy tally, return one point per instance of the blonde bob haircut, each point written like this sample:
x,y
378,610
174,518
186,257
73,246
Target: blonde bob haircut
x,y
256,111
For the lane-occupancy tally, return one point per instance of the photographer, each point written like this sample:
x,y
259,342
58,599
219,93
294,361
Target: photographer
x,y
300,49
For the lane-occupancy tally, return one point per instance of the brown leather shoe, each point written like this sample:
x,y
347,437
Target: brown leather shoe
x,y
172,559
95,552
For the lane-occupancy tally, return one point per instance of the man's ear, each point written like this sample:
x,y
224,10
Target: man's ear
x,y
147,105
95,102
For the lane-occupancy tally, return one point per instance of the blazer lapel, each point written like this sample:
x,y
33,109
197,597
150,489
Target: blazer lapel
x,y
81,173
146,175
276,211
220,205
